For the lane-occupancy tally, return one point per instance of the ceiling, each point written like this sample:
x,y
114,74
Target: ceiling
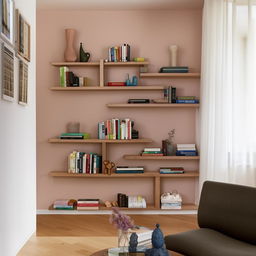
x,y
119,4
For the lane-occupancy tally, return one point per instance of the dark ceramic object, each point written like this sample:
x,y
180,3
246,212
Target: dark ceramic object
x,y
133,242
84,56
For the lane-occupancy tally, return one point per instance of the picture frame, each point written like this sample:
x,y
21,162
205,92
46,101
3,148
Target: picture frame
x,y
7,64
23,82
22,36
7,14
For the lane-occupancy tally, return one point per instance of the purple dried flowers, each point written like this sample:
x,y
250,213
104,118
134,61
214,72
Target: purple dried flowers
x,y
120,220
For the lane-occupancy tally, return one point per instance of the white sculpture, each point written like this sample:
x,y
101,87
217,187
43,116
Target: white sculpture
x,y
173,55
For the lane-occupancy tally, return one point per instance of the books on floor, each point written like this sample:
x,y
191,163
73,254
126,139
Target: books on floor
x,y
81,162
186,150
171,170
74,136
129,169
64,204
131,201
171,201
116,129
152,152
88,204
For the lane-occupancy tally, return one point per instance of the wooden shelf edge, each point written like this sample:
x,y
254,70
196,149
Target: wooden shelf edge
x,y
185,207
138,157
109,88
128,63
147,174
56,140
153,105
79,64
171,75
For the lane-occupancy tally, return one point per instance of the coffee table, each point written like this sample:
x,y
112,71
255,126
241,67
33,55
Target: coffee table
x,y
105,253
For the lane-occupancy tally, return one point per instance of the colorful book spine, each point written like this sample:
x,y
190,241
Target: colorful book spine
x,y
187,101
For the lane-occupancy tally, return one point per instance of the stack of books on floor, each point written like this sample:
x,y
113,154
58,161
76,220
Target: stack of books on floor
x,y
187,100
69,79
131,201
171,201
81,162
129,169
174,70
171,170
64,204
152,152
88,204
186,150
119,53
117,129
74,136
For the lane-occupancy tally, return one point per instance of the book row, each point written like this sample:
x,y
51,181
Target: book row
x,y
69,79
81,162
131,201
119,53
117,129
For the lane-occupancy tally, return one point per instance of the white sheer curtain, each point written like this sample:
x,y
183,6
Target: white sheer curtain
x,y
228,93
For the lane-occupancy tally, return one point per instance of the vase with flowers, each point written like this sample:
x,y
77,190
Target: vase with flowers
x,y
123,223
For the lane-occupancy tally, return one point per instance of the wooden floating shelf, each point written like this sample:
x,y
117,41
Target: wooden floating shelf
x,y
76,64
109,88
173,75
152,105
128,63
93,141
97,63
148,174
138,157
185,207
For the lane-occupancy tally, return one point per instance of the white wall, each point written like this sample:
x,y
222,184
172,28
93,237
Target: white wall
x,y
18,157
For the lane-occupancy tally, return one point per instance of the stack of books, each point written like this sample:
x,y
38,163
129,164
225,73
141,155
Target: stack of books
x,y
119,53
81,162
144,235
187,100
69,79
171,201
129,169
171,170
131,201
88,204
186,150
174,70
152,152
64,204
74,136
116,129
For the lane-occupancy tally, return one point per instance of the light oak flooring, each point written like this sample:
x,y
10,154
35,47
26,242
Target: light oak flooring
x,y
82,235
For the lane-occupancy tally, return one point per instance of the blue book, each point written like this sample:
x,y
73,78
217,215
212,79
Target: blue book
x,y
128,171
186,153
187,101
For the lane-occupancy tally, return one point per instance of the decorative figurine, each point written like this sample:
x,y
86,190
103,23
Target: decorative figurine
x,y
108,166
84,56
157,243
133,242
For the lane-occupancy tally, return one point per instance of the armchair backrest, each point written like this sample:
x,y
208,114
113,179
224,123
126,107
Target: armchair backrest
x,y
229,209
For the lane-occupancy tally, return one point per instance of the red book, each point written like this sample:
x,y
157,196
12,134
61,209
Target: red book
x,y
87,163
116,84
87,205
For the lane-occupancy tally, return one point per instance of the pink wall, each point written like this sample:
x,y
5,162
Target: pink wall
x,y
149,33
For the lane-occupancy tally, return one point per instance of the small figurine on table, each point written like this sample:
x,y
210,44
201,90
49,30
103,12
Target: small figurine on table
x,y
108,166
157,243
133,242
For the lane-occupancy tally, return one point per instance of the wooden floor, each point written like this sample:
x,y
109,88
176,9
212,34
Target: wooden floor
x,y
82,235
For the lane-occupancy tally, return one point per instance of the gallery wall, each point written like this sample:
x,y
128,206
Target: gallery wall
x,y
18,155
149,33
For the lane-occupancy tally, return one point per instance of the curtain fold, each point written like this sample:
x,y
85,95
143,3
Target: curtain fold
x,y
228,93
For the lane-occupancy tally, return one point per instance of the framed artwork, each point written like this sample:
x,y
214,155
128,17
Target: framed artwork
x,y
23,82
22,36
7,72
7,20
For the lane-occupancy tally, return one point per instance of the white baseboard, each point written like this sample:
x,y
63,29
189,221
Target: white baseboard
x,y
104,212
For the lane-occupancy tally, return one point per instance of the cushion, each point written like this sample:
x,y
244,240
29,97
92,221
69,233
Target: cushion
x,y
229,209
207,242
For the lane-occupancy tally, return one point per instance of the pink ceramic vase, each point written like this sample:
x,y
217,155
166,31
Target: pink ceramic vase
x,y
70,53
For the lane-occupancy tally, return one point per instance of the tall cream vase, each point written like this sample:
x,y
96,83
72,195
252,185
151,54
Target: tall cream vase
x,y
70,53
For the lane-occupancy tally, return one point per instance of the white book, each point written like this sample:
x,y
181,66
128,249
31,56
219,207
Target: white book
x,y
186,145
84,163
152,149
